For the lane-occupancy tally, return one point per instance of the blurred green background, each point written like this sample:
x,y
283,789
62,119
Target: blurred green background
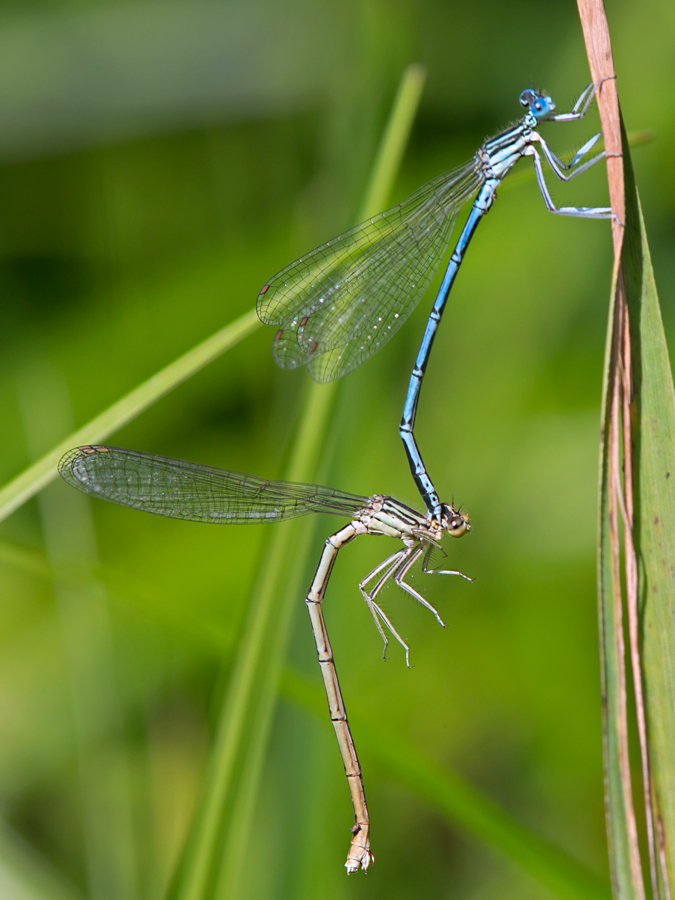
x,y
159,162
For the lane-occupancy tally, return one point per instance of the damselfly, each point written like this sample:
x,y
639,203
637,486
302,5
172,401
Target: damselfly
x,y
339,304
185,490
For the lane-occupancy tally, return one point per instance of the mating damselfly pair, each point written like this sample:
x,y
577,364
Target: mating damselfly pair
x,y
334,308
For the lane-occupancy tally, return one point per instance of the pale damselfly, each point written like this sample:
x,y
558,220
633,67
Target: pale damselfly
x,y
339,304
185,490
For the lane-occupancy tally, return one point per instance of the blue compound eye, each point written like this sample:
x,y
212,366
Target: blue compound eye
x,y
543,107
527,97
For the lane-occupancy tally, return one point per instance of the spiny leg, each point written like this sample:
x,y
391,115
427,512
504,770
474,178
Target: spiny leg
x,y
375,610
599,212
428,571
568,171
400,574
395,633
391,564
585,98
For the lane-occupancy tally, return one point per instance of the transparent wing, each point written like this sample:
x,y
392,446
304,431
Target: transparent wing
x,y
339,304
185,490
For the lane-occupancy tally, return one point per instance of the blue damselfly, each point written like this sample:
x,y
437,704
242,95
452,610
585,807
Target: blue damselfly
x,y
185,490
339,304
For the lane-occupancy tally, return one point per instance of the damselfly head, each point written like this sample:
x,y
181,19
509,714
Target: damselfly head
x,y
538,104
455,523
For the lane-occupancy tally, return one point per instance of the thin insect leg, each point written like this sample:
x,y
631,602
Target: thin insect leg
x,y
586,97
374,611
359,855
581,152
383,565
395,633
406,565
400,575
428,571
391,564
553,160
576,113
599,212
407,558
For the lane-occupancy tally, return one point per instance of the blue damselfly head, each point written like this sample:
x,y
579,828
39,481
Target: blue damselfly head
x,y
538,104
455,523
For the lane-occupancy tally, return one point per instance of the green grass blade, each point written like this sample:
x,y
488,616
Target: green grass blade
x,y
26,875
653,418
653,462
394,140
104,798
624,859
218,835
620,814
212,864
37,476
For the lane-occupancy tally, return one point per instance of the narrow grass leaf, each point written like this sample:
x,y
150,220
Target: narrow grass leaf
x,y
216,847
82,611
648,431
621,825
653,417
35,477
26,875
615,492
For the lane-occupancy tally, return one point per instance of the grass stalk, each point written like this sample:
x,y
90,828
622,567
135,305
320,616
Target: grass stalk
x,y
37,476
216,847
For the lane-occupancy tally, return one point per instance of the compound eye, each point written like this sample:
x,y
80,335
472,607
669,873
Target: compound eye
x,y
457,526
526,98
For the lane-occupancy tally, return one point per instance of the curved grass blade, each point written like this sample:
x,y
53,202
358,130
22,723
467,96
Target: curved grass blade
x,y
26,875
616,495
35,477
625,864
637,459
653,420
649,405
101,791
211,866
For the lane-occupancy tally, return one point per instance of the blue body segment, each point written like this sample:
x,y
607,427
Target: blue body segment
x,y
419,472
339,304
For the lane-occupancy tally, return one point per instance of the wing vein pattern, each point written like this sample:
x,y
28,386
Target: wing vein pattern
x,y
186,490
339,304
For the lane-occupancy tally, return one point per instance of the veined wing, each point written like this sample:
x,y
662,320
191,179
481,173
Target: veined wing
x,y
186,490
339,304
